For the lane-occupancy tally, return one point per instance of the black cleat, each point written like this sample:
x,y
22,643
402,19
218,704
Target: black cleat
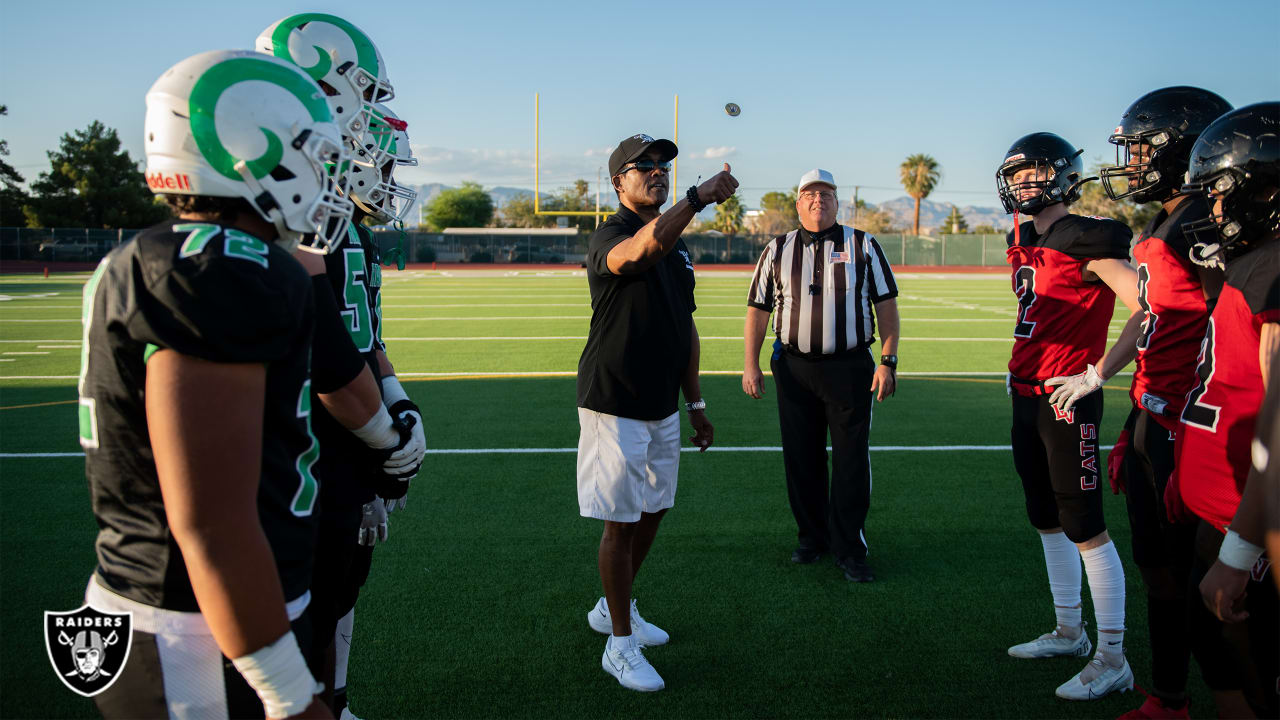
x,y
855,570
806,556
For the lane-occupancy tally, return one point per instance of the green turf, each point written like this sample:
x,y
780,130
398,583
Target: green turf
x,y
475,608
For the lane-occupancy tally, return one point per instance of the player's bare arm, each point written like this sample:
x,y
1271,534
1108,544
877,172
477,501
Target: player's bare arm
x,y
637,191
753,338
885,381
205,423
703,432
1120,276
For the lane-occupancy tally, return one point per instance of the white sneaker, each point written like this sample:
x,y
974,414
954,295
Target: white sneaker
x,y
624,660
1097,679
645,632
347,714
1054,645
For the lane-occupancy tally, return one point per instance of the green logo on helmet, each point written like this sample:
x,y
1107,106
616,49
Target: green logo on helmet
x,y
203,105
366,55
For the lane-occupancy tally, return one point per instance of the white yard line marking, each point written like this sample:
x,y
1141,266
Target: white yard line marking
x,y
574,450
573,373
60,347
29,352
68,340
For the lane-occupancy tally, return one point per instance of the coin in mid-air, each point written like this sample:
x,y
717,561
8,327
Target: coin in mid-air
x,y
732,109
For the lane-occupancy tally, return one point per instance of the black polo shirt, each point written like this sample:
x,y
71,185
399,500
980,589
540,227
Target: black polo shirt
x,y
641,328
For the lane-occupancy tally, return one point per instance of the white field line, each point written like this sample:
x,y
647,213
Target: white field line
x,y
32,352
735,338
574,450
68,340
573,373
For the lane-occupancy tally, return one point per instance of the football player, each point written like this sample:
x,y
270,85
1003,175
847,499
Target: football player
x,y
1068,271
348,66
1236,164
195,395
1153,145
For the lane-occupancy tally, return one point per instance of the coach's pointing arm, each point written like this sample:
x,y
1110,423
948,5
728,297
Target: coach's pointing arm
x,y
644,249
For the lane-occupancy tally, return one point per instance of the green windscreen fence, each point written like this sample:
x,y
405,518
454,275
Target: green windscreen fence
x,y
88,245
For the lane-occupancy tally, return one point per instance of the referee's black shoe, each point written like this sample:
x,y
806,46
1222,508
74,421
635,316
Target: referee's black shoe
x,y
855,570
806,555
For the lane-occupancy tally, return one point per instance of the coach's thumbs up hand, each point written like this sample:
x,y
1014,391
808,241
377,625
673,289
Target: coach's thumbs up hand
x,y
718,187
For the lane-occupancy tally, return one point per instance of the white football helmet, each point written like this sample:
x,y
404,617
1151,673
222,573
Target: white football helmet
x,y
235,123
340,57
373,188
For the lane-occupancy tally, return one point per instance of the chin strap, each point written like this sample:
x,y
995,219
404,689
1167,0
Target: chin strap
x,y
266,205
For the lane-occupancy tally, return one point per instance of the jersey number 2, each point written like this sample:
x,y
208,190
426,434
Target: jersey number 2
x,y
1197,413
1024,286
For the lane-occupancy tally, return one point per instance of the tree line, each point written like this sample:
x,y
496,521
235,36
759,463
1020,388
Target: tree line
x,y
92,182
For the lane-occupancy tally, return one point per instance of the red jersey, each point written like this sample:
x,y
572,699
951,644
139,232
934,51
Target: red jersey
x,y
1170,293
1213,445
1062,318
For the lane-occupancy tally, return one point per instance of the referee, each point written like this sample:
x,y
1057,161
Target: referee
x,y
828,283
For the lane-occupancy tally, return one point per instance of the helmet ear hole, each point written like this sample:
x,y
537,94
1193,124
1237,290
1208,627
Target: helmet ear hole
x,y
281,173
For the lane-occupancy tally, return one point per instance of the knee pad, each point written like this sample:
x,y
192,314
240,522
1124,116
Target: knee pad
x,y
1080,518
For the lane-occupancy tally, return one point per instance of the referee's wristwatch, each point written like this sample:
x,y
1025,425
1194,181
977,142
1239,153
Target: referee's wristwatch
x,y
890,361
696,405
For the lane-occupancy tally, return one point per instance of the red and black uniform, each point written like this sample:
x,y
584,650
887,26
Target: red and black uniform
x,y
1172,296
1170,293
1214,451
1061,328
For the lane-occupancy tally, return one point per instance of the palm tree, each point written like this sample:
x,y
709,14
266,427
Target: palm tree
x,y
729,216
920,175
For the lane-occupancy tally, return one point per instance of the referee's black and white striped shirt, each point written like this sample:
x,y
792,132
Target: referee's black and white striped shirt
x,y
823,307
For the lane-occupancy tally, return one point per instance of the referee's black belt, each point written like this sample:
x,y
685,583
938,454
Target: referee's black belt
x,y
793,351
1029,388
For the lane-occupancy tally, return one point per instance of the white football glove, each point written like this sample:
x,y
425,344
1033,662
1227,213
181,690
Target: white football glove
x,y
1074,387
409,457
398,504
373,524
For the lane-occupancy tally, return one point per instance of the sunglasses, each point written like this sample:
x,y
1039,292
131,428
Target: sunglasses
x,y
647,166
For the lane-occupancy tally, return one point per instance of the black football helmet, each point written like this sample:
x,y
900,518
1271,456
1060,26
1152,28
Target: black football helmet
x,y
1153,142
1237,160
1058,166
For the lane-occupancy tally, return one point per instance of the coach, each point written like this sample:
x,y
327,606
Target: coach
x,y
829,283
642,348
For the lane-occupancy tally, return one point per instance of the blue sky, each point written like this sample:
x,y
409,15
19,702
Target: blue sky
x,y
854,87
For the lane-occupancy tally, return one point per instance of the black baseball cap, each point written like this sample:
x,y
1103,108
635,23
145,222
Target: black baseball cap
x,y
635,146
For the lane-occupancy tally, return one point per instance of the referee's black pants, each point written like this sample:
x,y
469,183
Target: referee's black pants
x,y
814,396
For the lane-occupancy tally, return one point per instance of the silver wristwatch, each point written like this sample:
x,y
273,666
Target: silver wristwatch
x,y
696,405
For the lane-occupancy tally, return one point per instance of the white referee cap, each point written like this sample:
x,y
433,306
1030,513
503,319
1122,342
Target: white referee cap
x,y
816,176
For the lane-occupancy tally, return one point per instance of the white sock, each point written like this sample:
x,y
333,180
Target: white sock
x,y
1062,560
618,641
1106,585
342,648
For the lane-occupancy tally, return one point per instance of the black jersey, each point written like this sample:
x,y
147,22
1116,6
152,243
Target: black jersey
x,y
356,278
221,295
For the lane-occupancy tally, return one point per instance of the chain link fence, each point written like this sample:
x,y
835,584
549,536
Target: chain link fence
x,y
87,245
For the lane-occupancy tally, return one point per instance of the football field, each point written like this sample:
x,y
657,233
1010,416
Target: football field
x,y
476,605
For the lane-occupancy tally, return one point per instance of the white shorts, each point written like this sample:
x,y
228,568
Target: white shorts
x,y
626,467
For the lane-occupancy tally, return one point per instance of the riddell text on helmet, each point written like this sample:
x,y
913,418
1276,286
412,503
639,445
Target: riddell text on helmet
x,y
160,181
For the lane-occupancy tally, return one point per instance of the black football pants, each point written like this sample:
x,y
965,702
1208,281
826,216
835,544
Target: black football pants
x,y
816,396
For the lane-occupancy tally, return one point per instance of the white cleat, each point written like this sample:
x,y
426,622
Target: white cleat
x,y
1054,645
624,660
645,632
1096,680
347,714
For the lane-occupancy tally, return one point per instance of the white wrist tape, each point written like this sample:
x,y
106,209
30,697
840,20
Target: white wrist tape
x,y
279,675
378,432
1237,552
392,391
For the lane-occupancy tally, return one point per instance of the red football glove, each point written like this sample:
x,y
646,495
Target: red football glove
x,y
1176,511
1115,463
